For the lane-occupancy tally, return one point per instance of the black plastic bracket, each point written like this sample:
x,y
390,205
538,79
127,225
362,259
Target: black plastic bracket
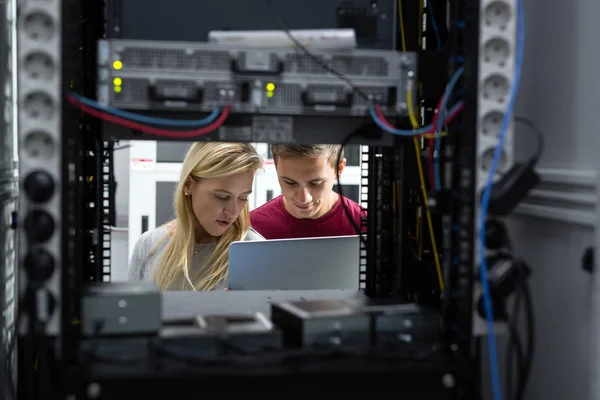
x,y
587,261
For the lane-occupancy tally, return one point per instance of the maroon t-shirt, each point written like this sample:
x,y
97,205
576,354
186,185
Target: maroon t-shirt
x,y
273,221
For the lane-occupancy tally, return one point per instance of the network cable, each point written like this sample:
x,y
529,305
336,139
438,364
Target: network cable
x,y
380,121
151,130
487,301
436,257
144,119
434,25
439,121
373,108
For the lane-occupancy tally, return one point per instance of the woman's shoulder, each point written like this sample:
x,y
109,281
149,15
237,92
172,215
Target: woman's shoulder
x,y
154,236
150,239
144,246
253,235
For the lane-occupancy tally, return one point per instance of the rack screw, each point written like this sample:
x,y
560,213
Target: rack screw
x,y
448,381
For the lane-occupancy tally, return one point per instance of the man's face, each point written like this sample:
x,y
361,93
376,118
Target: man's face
x,y
306,184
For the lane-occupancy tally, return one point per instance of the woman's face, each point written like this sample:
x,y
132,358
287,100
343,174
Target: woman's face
x,y
218,202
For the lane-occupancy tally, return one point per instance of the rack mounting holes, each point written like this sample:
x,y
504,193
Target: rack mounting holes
x,y
495,88
497,15
488,156
39,105
39,145
492,123
39,26
496,51
39,65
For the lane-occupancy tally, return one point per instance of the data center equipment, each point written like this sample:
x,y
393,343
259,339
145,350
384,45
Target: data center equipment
x,y
295,264
357,323
252,94
198,77
249,347
121,309
77,59
372,22
243,333
207,338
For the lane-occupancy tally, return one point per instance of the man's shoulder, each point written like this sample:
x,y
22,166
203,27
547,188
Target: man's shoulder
x,y
266,209
354,206
269,219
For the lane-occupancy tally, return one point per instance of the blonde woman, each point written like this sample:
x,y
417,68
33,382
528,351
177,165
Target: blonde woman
x,y
211,208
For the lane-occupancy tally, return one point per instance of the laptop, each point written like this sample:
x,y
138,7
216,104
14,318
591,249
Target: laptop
x,y
295,264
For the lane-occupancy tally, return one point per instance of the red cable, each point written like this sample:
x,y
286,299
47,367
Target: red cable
x,y
149,129
382,118
448,119
430,164
430,143
436,112
453,115
219,121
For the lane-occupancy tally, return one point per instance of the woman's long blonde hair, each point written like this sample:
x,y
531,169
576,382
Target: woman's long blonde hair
x,y
203,160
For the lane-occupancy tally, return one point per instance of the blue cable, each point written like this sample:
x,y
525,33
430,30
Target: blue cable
x,y
440,123
487,301
402,132
394,131
144,119
434,25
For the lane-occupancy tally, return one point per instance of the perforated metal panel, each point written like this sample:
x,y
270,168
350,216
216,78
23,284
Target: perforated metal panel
x,y
184,60
198,76
8,191
8,265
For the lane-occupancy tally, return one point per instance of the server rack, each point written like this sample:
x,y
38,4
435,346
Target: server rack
x,y
83,148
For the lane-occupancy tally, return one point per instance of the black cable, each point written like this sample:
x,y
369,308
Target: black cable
x,y
316,59
539,134
125,146
525,358
530,342
354,88
515,341
511,347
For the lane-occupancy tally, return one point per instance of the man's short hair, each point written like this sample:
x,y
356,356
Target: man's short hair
x,y
328,151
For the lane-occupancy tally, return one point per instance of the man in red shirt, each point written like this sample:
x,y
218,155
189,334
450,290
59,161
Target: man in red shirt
x,y
308,206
